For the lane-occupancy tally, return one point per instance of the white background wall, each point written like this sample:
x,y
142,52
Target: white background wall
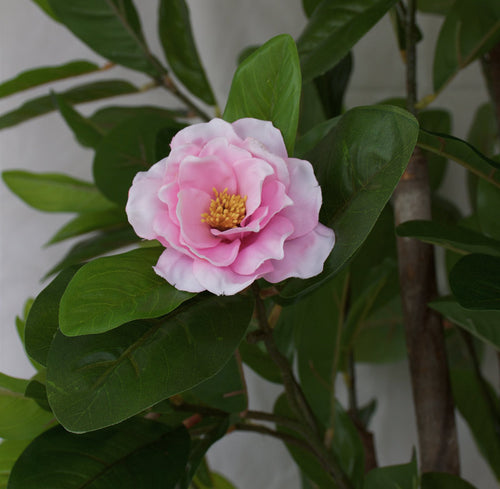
x,y
222,28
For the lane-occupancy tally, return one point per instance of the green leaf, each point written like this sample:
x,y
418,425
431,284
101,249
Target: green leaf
x,y
88,92
20,417
128,148
467,33
37,391
178,44
9,453
333,29
440,480
475,282
483,131
39,76
138,454
487,203
309,6
404,476
358,165
439,7
462,152
86,133
44,5
260,362
267,86
97,245
482,324
90,221
451,237
112,29
108,292
307,142
98,380
43,318
218,481
55,192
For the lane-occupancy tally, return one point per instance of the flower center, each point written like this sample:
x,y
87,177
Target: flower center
x,y
226,210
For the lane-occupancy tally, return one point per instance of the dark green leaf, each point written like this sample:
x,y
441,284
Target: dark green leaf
x,y
44,5
311,113
43,318
77,95
307,142
358,165
334,28
487,204
90,221
404,476
451,237
467,33
475,282
483,131
462,152
260,362
482,324
98,380
9,453
439,7
55,192
128,148
439,480
137,454
218,481
178,44
267,86
36,390
108,292
309,6
97,245
39,76
111,28
86,133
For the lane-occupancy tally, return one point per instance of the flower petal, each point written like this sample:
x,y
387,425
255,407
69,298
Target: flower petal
x,y
262,131
304,256
177,269
200,134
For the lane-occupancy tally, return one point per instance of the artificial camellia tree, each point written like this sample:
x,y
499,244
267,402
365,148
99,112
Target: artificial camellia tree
x,y
264,235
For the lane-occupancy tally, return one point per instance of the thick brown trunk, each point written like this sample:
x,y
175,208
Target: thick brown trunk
x,y
432,397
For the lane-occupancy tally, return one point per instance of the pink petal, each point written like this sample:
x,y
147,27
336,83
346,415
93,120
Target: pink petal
x,y
168,194
221,255
263,246
221,148
304,256
262,131
177,269
200,134
305,192
275,199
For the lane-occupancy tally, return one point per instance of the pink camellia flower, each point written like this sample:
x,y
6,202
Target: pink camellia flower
x,y
230,207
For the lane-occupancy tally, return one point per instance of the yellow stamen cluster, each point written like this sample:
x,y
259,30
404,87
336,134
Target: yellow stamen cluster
x,y
226,211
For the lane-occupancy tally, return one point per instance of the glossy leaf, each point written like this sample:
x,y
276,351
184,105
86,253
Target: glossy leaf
x,y
90,221
267,86
358,165
55,192
461,152
178,44
98,380
138,454
111,28
39,76
482,324
475,282
333,29
128,148
441,480
466,34
43,319
77,95
451,237
404,476
108,292
9,453
86,133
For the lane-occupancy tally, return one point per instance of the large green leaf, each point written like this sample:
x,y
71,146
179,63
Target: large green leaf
x,y
487,205
467,33
439,7
267,86
482,324
111,28
404,476
333,29
9,453
98,380
108,292
454,238
44,5
20,417
39,76
461,152
358,165
475,281
43,319
137,454
128,148
77,95
55,192
441,480
483,131
178,44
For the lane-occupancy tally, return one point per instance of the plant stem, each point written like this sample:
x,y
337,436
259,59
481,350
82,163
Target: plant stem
x,y
424,333
279,420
